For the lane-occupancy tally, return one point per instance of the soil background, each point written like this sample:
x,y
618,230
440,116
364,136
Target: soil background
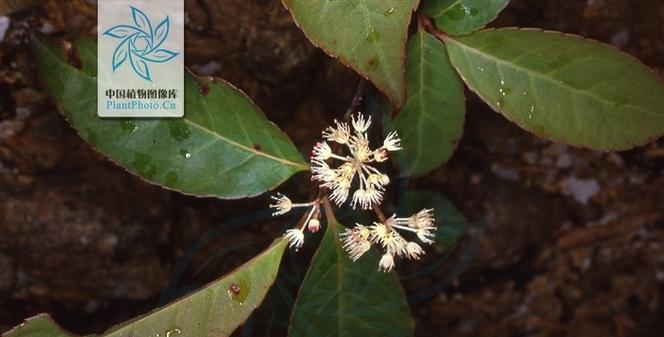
x,y
572,240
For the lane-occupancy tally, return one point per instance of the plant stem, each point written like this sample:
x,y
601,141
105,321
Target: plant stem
x,y
357,98
379,214
429,27
329,213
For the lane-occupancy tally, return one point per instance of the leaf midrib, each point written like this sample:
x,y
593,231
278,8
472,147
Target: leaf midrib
x,y
201,127
533,73
446,9
424,113
244,147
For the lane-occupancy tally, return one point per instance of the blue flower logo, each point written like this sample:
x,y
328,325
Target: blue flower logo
x,y
140,43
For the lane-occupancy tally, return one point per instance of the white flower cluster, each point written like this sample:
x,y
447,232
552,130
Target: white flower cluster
x,y
340,179
295,236
368,192
358,240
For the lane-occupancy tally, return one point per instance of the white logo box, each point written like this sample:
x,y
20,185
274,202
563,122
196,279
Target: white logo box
x,y
140,65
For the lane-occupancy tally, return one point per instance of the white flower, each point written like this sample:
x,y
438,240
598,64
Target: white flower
x,y
358,198
359,148
395,244
356,241
421,219
340,193
295,238
282,204
313,225
386,234
321,151
413,251
426,235
386,263
378,180
387,237
372,196
378,232
361,125
322,172
381,155
421,223
366,198
357,162
340,134
392,142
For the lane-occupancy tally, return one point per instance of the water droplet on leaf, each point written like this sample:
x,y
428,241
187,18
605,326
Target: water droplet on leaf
x,y
503,91
457,13
128,126
172,332
185,154
372,36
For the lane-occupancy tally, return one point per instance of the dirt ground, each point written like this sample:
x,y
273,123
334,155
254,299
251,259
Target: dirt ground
x,y
573,238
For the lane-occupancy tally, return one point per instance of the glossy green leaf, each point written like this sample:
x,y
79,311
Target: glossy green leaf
x,y
339,297
215,310
223,147
431,122
368,36
450,222
562,87
458,17
38,326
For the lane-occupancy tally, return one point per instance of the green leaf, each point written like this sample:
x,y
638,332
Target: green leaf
x,y
458,17
217,309
38,326
562,87
368,36
339,297
223,147
450,222
431,122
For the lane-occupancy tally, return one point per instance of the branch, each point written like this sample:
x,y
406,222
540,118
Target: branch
x,y
329,213
379,214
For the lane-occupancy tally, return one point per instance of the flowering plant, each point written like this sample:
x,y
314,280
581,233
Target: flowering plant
x,y
557,86
369,182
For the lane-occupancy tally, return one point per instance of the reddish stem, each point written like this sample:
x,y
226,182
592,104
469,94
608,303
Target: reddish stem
x,y
429,27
